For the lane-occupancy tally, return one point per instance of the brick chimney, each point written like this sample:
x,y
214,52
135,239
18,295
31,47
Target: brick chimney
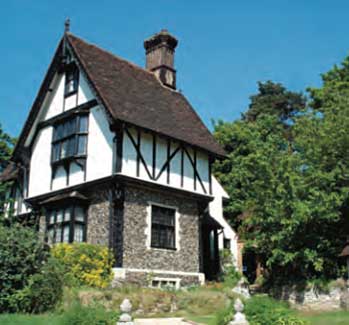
x,y
160,50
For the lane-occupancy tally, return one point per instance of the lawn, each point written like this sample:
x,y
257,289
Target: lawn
x,y
15,319
328,318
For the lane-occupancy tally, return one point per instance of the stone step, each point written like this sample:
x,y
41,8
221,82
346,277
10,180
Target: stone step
x,y
161,321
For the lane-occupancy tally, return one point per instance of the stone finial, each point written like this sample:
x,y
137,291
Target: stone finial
x,y
67,25
125,318
239,317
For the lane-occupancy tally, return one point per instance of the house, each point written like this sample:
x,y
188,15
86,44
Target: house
x,y
114,154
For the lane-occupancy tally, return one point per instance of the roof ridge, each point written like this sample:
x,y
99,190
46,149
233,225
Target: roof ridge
x,y
130,63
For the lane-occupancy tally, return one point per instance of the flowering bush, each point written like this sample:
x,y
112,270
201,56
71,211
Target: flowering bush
x,y
85,264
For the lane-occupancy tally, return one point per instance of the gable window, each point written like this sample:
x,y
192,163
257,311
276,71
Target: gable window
x,y
71,81
163,227
70,138
66,225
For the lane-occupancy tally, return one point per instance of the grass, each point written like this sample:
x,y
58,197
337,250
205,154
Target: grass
x,y
327,318
17,319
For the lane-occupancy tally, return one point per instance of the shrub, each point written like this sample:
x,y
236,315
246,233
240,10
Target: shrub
x,y
22,255
262,310
224,316
91,315
85,264
43,290
231,276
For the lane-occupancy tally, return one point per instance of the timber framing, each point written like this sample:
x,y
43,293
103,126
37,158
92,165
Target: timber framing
x,y
137,144
88,188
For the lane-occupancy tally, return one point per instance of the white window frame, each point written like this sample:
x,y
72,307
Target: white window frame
x,y
162,282
149,223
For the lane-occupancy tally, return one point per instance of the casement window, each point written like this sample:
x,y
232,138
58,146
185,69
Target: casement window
x,y
66,225
163,227
71,81
70,138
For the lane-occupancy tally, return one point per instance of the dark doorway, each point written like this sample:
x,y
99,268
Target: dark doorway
x,y
210,250
249,259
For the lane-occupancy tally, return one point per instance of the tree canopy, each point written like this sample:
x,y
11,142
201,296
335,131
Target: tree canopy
x,y
289,189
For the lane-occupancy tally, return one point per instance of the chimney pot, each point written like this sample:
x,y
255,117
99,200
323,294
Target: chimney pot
x,y
160,49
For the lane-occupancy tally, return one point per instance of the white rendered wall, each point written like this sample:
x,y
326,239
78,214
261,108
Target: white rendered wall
x,y
99,146
76,175
84,92
129,165
60,179
216,211
55,103
55,98
40,164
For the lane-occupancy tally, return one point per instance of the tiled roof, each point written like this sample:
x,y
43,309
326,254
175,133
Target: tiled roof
x,y
134,95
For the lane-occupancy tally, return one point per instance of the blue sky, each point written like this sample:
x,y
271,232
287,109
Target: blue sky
x,y
225,46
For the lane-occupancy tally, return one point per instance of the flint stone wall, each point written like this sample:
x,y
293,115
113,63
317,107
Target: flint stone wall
x,y
313,300
135,252
145,279
98,219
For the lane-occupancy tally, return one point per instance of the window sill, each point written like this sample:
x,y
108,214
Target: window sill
x,y
70,94
163,249
68,160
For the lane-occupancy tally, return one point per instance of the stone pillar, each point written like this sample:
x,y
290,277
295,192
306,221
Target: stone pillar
x,y
239,317
125,318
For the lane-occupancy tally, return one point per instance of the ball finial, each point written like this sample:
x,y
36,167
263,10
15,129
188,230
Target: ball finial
x,y
67,25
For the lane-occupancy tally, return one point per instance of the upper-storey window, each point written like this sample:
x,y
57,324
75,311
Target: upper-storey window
x,y
70,138
71,80
163,227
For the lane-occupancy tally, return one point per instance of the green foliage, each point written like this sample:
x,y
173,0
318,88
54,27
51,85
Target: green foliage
x,y
89,315
6,147
85,264
223,316
231,276
22,255
288,180
274,99
43,291
262,310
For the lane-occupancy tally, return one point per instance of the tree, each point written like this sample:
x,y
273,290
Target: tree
x,y
274,99
6,147
288,186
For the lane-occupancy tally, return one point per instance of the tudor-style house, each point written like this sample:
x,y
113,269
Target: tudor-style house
x,y
113,154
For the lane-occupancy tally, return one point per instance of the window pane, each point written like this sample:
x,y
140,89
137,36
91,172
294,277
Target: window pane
x,y
64,149
52,218
71,147
70,127
58,134
67,214
55,151
163,227
155,237
83,123
66,234
163,216
59,215
82,144
78,233
58,234
79,214
50,236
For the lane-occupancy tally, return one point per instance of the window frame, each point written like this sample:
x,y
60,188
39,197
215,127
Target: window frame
x,y
74,135
150,243
62,224
71,74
